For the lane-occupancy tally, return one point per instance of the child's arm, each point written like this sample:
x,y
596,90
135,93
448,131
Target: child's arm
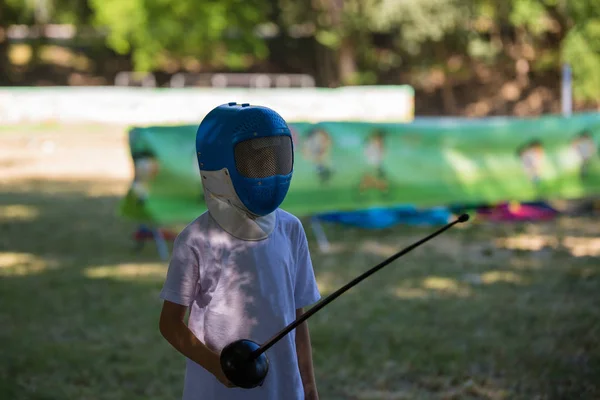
x,y
176,332
306,292
178,293
305,362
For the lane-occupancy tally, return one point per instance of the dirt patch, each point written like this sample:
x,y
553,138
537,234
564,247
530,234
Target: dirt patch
x,y
66,153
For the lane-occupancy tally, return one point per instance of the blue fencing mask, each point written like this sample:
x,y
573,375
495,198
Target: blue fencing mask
x,y
246,157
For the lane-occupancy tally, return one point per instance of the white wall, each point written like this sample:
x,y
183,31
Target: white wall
x,y
175,106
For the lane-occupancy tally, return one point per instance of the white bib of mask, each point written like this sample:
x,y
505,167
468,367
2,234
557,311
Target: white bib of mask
x,y
229,212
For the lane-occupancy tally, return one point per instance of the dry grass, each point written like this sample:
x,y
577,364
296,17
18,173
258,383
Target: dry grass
x,y
484,312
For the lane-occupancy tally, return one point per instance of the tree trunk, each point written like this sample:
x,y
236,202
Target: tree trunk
x,y
448,97
521,64
4,62
344,53
36,46
325,56
326,74
347,62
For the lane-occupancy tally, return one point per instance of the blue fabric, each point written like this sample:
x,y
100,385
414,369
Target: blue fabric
x,y
378,218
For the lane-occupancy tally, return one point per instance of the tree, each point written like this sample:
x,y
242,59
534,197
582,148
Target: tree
x,y
220,31
37,14
581,47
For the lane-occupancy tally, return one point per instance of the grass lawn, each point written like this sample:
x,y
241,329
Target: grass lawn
x,y
486,311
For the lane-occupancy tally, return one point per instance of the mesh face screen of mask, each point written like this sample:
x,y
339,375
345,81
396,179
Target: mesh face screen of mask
x,y
264,157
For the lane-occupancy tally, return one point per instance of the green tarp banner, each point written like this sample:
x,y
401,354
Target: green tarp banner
x,y
353,165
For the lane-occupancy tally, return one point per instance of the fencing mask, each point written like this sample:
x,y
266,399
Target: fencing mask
x,y
246,159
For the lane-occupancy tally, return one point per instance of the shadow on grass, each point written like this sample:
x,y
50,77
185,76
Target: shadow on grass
x,y
467,315
463,317
80,308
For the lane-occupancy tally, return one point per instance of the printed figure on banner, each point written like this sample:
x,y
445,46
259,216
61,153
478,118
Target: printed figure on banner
x,y
317,149
532,157
146,169
374,152
585,147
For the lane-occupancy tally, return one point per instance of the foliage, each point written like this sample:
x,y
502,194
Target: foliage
x,y
180,28
30,12
581,47
424,33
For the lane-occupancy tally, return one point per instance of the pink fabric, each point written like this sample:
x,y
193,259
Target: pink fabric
x,y
518,212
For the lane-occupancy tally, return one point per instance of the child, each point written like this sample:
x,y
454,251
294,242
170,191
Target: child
x,y
243,267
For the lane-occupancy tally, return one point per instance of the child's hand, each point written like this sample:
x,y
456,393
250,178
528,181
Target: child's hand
x,y
220,375
217,371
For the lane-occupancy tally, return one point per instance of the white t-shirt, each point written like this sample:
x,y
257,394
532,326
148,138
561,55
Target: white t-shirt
x,y
242,290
